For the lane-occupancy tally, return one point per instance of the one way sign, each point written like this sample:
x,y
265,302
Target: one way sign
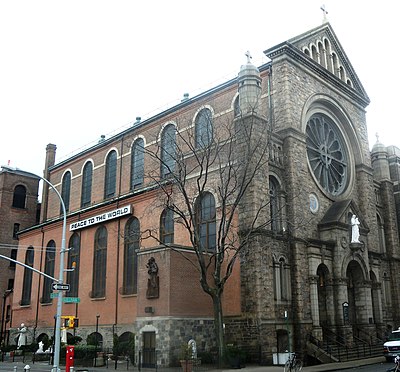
x,y
60,287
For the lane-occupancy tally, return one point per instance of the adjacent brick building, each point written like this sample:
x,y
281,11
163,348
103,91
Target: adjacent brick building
x,y
18,211
305,275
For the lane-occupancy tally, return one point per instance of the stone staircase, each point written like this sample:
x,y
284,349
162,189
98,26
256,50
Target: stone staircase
x,y
328,352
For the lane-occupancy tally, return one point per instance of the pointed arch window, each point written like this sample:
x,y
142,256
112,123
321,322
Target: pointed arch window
x,y
206,221
87,179
66,191
99,263
73,257
137,163
110,181
168,150
167,226
19,197
27,281
203,128
49,264
131,247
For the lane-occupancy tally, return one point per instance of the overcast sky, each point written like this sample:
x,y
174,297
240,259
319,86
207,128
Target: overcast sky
x,y
71,71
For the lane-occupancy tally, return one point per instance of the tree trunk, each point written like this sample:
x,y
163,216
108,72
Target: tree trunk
x,y
219,327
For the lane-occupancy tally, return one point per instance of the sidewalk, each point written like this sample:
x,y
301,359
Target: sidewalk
x,y
44,367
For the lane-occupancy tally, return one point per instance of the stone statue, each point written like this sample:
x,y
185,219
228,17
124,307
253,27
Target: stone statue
x,y
40,350
355,229
192,345
153,281
22,335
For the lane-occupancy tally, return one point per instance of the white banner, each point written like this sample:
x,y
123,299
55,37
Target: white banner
x,y
116,213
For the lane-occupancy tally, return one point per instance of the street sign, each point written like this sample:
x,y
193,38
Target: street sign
x,y
71,300
60,287
54,295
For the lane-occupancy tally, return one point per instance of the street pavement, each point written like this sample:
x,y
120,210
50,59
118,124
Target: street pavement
x,y
45,367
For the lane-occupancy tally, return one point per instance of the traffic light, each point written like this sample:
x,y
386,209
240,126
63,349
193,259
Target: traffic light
x,y
70,321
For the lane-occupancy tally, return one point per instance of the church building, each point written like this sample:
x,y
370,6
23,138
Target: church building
x,y
318,218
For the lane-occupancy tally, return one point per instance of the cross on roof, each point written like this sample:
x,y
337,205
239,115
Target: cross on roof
x,y
325,12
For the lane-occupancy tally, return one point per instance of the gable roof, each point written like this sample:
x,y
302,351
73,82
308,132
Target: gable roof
x,y
320,50
338,212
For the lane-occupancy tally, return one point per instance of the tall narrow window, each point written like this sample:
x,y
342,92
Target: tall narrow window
x,y
27,281
205,221
137,163
15,230
282,280
87,176
111,175
49,263
73,261
274,205
66,191
236,107
19,197
168,150
131,246
13,255
99,263
167,226
381,234
203,128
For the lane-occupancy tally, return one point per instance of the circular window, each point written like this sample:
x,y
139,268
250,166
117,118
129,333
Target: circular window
x,y
327,154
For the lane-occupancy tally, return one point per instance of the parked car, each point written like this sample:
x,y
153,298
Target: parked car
x,y
391,348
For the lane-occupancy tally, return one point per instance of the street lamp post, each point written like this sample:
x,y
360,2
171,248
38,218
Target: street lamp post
x,y
57,341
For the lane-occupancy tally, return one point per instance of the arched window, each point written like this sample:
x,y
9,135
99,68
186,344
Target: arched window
x,y
131,246
19,197
203,128
137,163
168,150
49,263
66,191
387,292
111,175
282,280
381,234
73,257
99,263
27,281
236,107
205,221
167,226
87,177
274,205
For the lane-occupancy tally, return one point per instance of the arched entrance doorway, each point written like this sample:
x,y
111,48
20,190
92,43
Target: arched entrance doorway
x,y
322,288
355,294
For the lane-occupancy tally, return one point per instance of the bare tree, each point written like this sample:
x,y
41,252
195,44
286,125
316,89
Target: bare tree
x,y
228,159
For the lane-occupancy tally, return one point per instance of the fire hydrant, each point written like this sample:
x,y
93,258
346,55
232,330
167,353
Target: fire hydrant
x,y
27,368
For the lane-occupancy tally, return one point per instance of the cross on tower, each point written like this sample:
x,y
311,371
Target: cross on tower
x,y
249,57
325,12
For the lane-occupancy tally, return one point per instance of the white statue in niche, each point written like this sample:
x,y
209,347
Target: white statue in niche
x,y
40,350
193,346
22,335
355,229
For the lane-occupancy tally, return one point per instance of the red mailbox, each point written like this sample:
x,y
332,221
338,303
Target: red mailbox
x,y
69,360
